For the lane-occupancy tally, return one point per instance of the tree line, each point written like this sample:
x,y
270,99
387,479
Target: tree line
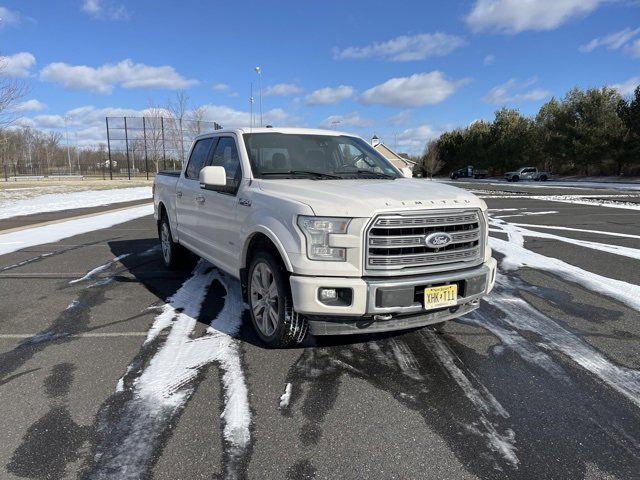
x,y
588,132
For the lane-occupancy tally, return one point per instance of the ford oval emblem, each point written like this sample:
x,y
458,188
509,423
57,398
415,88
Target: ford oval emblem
x,y
438,240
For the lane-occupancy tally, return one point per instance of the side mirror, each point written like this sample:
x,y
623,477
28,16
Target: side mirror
x,y
212,177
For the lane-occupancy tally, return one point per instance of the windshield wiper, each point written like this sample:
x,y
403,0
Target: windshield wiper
x,y
369,172
302,172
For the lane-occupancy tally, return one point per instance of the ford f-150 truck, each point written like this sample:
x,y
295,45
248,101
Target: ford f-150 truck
x,y
527,173
324,234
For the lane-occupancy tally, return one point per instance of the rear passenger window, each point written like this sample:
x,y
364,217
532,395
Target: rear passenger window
x,y
226,155
198,158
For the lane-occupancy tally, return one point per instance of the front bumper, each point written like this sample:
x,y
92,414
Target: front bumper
x,y
390,303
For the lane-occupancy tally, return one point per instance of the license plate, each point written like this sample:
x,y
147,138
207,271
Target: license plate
x,y
439,297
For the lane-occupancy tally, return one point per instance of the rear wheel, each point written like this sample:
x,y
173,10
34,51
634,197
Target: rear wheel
x,y
172,252
543,178
515,178
270,303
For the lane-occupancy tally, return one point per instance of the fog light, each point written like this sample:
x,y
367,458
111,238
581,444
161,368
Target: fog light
x,y
328,294
335,297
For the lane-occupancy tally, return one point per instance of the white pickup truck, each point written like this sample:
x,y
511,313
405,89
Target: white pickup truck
x,y
325,234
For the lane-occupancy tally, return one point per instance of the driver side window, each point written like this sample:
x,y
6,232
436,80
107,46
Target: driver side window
x,y
226,155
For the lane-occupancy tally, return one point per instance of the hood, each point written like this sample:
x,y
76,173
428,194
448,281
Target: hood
x,y
365,197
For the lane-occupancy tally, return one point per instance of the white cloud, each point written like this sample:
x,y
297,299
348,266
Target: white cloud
x,y
282,90
628,87
9,17
413,140
489,60
352,119
125,74
105,10
414,91
401,118
515,16
329,95
613,41
32,105
229,117
17,65
515,91
633,49
404,48
220,87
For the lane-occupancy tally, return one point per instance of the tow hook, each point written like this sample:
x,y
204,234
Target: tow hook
x,y
378,318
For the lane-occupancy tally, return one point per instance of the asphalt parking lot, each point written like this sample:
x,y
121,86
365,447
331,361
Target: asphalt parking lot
x,y
102,377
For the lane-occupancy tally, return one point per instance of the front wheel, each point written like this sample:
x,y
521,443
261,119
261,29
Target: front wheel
x,y
270,303
543,178
515,178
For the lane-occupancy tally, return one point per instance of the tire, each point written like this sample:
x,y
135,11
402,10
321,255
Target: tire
x,y
543,178
271,305
454,177
172,252
515,178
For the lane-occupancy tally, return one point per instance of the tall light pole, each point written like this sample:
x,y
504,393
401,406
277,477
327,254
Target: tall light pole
x,y
259,72
251,107
66,128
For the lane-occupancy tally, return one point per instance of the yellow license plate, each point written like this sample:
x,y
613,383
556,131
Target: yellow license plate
x,y
439,297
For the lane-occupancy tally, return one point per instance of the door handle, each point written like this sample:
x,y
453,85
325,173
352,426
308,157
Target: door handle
x,y
179,194
200,199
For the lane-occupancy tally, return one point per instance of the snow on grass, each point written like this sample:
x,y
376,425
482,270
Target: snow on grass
x,y
161,390
592,200
53,202
13,241
582,230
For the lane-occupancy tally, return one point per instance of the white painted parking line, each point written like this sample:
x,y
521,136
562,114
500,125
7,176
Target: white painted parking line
x,y
20,336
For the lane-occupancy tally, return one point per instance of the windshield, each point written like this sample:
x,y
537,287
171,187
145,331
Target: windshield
x,y
281,155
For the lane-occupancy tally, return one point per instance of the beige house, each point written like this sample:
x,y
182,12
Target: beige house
x,y
398,161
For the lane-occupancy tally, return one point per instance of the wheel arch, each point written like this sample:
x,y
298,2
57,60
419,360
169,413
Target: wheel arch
x,y
266,239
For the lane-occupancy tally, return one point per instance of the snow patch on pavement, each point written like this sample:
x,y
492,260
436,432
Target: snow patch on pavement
x,y
285,398
54,202
29,237
517,256
519,314
92,273
503,443
162,389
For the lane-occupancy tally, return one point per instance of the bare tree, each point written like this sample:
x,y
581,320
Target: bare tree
x,y
430,162
197,121
11,91
178,109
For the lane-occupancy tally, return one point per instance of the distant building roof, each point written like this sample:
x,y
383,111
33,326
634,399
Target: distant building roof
x,y
397,160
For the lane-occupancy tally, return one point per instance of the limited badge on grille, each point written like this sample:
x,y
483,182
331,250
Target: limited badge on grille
x,y
439,297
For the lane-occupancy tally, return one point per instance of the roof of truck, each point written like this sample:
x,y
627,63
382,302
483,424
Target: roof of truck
x,y
287,130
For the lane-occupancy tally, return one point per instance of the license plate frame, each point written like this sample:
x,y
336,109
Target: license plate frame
x,y
441,296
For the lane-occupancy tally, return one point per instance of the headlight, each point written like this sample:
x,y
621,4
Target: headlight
x,y
317,231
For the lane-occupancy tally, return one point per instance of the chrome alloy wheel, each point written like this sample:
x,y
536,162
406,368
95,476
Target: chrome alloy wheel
x,y
165,241
265,302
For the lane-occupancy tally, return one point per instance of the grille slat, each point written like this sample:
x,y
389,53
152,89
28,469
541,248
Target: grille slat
x,y
398,241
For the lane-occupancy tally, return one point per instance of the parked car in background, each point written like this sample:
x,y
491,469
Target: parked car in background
x,y
527,173
324,233
469,172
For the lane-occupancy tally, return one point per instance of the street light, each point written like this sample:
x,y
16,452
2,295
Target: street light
x,y
259,72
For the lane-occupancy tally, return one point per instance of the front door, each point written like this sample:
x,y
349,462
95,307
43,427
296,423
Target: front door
x,y
218,227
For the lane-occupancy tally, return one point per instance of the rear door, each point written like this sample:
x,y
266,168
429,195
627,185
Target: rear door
x,y
218,229
188,193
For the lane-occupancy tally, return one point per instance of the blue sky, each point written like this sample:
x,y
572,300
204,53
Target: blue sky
x,y
404,70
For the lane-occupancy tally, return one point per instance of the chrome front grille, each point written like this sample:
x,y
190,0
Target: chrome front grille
x,y
397,241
